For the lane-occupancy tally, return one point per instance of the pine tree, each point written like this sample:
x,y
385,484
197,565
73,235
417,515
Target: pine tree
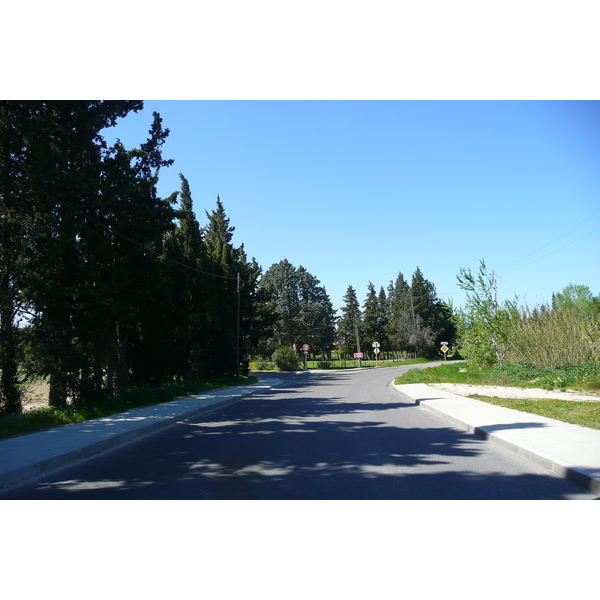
x,y
398,297
383,319
232,265
349,322
370,320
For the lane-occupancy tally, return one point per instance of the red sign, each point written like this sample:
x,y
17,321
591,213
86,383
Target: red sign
x,y
358,355
306,347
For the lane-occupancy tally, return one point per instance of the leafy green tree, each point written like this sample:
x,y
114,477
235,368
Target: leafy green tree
x,y
482,324
578,296
303,309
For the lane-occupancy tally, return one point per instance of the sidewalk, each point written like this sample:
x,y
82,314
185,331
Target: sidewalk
x,y
33,454
570,451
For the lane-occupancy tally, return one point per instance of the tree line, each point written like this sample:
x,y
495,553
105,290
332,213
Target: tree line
x,y
408,318
104,285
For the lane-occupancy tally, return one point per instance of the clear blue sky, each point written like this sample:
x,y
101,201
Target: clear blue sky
x,y
356,191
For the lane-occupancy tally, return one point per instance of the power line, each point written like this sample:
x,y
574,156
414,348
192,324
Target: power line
x,y
584,222
553,251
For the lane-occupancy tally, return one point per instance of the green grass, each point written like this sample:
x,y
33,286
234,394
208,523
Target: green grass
x,y
341,364
585,378
586,414
40,419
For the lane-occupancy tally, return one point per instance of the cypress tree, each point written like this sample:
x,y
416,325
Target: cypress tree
x,y
370,319
350,319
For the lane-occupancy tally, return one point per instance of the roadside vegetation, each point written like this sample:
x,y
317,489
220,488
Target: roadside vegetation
x,y
552,347
49,417
586,414
584,379
338,363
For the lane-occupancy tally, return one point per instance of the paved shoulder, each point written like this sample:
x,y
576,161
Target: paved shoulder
x,y
30,455
570,451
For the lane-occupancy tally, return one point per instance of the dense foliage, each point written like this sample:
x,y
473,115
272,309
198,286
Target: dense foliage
x,y
408,319
301,308
563,334
103,284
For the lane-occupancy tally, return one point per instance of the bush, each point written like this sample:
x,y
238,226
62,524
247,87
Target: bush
x,y
554,338
324,364
286,359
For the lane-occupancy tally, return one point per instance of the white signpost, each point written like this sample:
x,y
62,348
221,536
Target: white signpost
x,y
445,349
376,346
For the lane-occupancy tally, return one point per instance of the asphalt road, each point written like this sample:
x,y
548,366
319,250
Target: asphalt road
x,y
327,435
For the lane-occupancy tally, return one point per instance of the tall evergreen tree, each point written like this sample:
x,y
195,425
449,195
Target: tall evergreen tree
x,y
383,318
59,169
398,297
236,294
350,321
370,321
193,293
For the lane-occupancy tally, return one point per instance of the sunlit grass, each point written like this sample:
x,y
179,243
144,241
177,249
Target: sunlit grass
x,y
43,418
586,414
341,364
584,378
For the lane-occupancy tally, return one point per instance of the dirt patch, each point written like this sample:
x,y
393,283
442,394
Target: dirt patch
x,y
463,389
35,396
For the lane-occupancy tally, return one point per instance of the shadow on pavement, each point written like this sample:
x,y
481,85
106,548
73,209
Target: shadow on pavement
x,y
288,445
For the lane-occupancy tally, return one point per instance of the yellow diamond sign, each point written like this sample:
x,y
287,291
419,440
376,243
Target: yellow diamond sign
x,y
444,349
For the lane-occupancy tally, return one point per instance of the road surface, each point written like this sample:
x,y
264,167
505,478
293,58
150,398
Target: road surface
x,y
321,435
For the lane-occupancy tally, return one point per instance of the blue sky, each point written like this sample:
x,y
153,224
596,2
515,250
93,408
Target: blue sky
x,y
356,191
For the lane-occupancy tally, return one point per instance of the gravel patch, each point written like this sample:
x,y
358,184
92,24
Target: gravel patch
x,y
497,391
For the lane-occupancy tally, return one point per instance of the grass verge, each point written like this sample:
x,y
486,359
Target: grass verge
x,y
40,419
342,364
586,414
585,378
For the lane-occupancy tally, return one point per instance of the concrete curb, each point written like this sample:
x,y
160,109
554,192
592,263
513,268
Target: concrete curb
x,y
95,436
578,475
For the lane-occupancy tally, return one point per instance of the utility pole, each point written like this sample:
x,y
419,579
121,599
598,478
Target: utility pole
x,y
237,339
357,341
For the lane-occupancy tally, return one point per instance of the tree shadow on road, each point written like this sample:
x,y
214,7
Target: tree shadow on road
x,y
300,447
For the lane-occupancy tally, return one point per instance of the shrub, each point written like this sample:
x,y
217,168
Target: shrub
x,y
286,359
324,364
554,338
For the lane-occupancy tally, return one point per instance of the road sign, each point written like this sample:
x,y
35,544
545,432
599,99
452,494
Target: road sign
x,y
376,350
376,344
306,347
444,349
358,355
